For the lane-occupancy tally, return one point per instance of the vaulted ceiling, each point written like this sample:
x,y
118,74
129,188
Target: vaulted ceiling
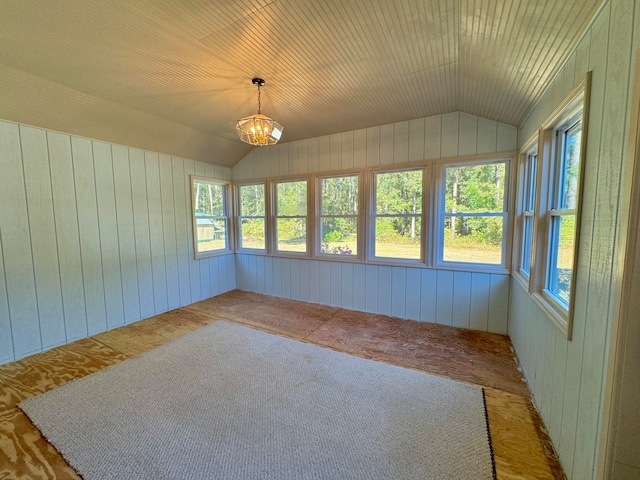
x,y
329,65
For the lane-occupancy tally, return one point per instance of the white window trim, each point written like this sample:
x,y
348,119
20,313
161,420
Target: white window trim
x,y
238,218
371,231
317,253
560,315
440,192
272,229
227,217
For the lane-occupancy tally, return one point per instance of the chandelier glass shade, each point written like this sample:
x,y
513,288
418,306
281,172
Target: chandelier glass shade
x,y
259,129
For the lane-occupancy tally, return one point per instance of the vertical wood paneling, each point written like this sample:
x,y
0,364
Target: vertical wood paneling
x,y
360,148
371,287
182,226
359,287
346,143
428,295
433,137
141,228
286,277
18,262
277,277
498,304
325,283
480,291
487,136
384,290
304,280
468,135
462,299
444,299
373,146
347,286
398,292
268,276
37,181
335,152
507,137
314,281
67,235
84,227
335,284
126,233
108,226
6,339
156,235
416,140
295,279
386,144
450,135
324,153
412,294
89,235
401,142
169,230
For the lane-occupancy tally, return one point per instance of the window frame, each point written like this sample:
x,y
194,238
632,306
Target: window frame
x,y
370,229
227,216
317,251
527,184
238,217
574,105
440,214
273,217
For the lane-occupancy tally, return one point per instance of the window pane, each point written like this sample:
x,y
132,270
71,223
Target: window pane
x,y
563,244
397,237
252,233
399,192
527,239
339,236
530,199
340,196
475,189
570,167
209,198
292,234
292,198
473,239
252,200
211,234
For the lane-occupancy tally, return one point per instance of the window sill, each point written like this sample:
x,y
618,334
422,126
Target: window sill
x,y
558,315
215,253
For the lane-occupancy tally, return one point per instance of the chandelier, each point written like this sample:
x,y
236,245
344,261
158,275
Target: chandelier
x,y
259,129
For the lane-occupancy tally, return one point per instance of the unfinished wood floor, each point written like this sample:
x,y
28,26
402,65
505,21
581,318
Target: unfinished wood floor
x,y
521,449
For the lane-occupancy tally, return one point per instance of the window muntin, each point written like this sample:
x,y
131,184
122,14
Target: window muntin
x,y
210,216
291,216
397,215
528,201
251,217
474,213
338,199
562,215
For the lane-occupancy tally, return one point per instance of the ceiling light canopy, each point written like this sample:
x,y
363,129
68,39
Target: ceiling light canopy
x,y
259,129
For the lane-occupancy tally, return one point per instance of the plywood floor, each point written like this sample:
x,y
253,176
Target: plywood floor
x,y
522,450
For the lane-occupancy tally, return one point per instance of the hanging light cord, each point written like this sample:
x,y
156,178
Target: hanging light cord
x,y
259,106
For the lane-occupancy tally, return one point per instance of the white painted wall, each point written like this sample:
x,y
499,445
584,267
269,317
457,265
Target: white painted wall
x,y
567,378
462,299
93,236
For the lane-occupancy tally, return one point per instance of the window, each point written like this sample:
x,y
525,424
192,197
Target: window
x,y
291,216
473,213
527,205
338,203
210,216
251,217
396,224
562,214
556,226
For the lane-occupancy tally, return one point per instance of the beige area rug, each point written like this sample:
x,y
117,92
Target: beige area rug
x,y
230,402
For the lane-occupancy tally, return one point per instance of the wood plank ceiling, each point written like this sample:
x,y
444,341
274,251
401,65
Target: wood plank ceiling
x,y
330,66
